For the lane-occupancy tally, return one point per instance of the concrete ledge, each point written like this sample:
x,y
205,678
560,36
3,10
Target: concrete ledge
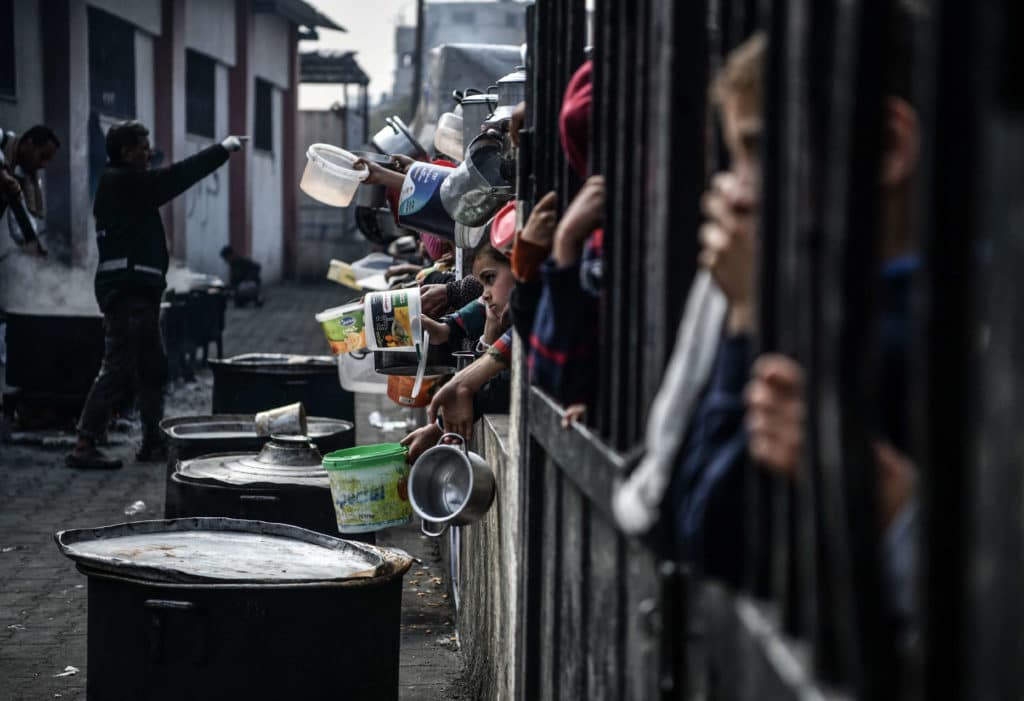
x,y
488,574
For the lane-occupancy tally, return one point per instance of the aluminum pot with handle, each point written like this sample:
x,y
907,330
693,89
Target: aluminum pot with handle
x,y
477,189
450,486
396,138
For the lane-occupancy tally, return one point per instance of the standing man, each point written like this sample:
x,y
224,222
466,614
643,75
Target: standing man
x,y
22,158
130,280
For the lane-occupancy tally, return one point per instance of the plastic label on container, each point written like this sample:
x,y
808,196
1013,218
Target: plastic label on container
x,y
393,320
344,328
420,206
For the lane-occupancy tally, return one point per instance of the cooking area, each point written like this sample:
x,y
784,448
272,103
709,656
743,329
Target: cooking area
x,y
54,615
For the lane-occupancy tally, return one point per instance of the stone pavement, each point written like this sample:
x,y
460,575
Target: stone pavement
x,y
43,597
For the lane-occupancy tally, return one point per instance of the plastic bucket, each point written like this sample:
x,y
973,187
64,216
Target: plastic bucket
x,y
420,206
400,391
344,327
392,320
330,176
356,373
369,487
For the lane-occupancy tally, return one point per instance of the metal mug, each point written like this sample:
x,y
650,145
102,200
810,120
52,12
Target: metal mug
x,y
478,187
450,486
285,420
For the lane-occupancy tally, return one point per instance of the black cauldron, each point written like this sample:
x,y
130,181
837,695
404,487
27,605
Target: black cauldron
x,y
191,436
232,613
255,382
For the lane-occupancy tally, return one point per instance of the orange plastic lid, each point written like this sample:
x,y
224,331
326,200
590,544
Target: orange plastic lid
x,y
503,226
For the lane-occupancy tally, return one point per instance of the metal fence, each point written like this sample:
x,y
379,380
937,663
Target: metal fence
x,y
605,616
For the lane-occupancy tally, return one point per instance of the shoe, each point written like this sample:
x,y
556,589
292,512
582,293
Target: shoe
x,y
152,451
92,460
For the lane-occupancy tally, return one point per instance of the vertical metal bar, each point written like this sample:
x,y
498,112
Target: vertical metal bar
x,y
951,110
847,343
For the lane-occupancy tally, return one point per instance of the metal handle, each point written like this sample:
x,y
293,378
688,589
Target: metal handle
x,y
254,505
296,383
157,609
427,531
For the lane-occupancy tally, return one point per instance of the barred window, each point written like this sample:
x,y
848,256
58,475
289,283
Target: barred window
x,y
200,94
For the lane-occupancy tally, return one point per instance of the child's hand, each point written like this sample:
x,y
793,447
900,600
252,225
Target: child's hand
x,y
496,324
454,402
727,241
433,299
438,330
585,213
402,162
540,227
422,438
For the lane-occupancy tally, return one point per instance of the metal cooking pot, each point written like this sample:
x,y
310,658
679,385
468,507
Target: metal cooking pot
x,y
481,184
377,224
284,483
253,382
476,109
450,486
396,138
211,609
191,436
439,362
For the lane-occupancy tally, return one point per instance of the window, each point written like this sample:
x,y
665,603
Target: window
x,y
111,65
200,94
263,138
463,17
511,19
8,75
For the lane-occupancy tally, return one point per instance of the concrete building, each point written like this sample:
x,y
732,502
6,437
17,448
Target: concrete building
x,y
481,22
193,71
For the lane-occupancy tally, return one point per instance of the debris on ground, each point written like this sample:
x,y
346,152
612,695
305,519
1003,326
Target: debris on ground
x,y
69,671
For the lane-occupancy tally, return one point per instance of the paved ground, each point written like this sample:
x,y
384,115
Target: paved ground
x,y
42,596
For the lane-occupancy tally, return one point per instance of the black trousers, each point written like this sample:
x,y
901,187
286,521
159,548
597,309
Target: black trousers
x,y
133,357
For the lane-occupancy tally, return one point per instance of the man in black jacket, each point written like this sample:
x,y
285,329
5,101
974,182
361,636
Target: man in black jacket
x,y
130,280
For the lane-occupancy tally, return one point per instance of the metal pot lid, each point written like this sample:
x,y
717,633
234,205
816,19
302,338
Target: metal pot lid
x,y
223,551
286,460
274,360
232,426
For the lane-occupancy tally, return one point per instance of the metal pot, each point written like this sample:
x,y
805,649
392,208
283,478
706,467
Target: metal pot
x,y
512,88
189,437
481,184
396,138
219,609
450,486
377,224
253,382
476,109
284,483
37,344
439,362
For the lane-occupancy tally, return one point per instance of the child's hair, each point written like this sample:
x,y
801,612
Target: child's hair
x,y
485,251
742,72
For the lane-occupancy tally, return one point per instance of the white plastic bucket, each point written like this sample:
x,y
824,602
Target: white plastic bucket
x,y
356,373
330,176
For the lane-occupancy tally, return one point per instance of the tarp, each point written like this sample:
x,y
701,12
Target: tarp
x,y
458,67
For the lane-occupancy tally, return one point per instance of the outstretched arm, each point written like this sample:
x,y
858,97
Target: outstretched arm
x,y
162,185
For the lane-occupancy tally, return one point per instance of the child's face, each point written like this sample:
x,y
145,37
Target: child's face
x,y
497,281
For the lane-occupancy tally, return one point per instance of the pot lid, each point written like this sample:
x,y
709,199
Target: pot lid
x,y
232,426
287,460
224,551
276,360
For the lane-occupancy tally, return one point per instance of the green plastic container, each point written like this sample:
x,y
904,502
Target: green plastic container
x,y
369,487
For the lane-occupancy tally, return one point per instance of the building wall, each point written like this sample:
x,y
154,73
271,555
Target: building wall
x,y
271,45
324,232
265,168
144,14
207,202
210,28
27,107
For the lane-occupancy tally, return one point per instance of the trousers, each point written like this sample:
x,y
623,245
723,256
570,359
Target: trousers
x,y
133,359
